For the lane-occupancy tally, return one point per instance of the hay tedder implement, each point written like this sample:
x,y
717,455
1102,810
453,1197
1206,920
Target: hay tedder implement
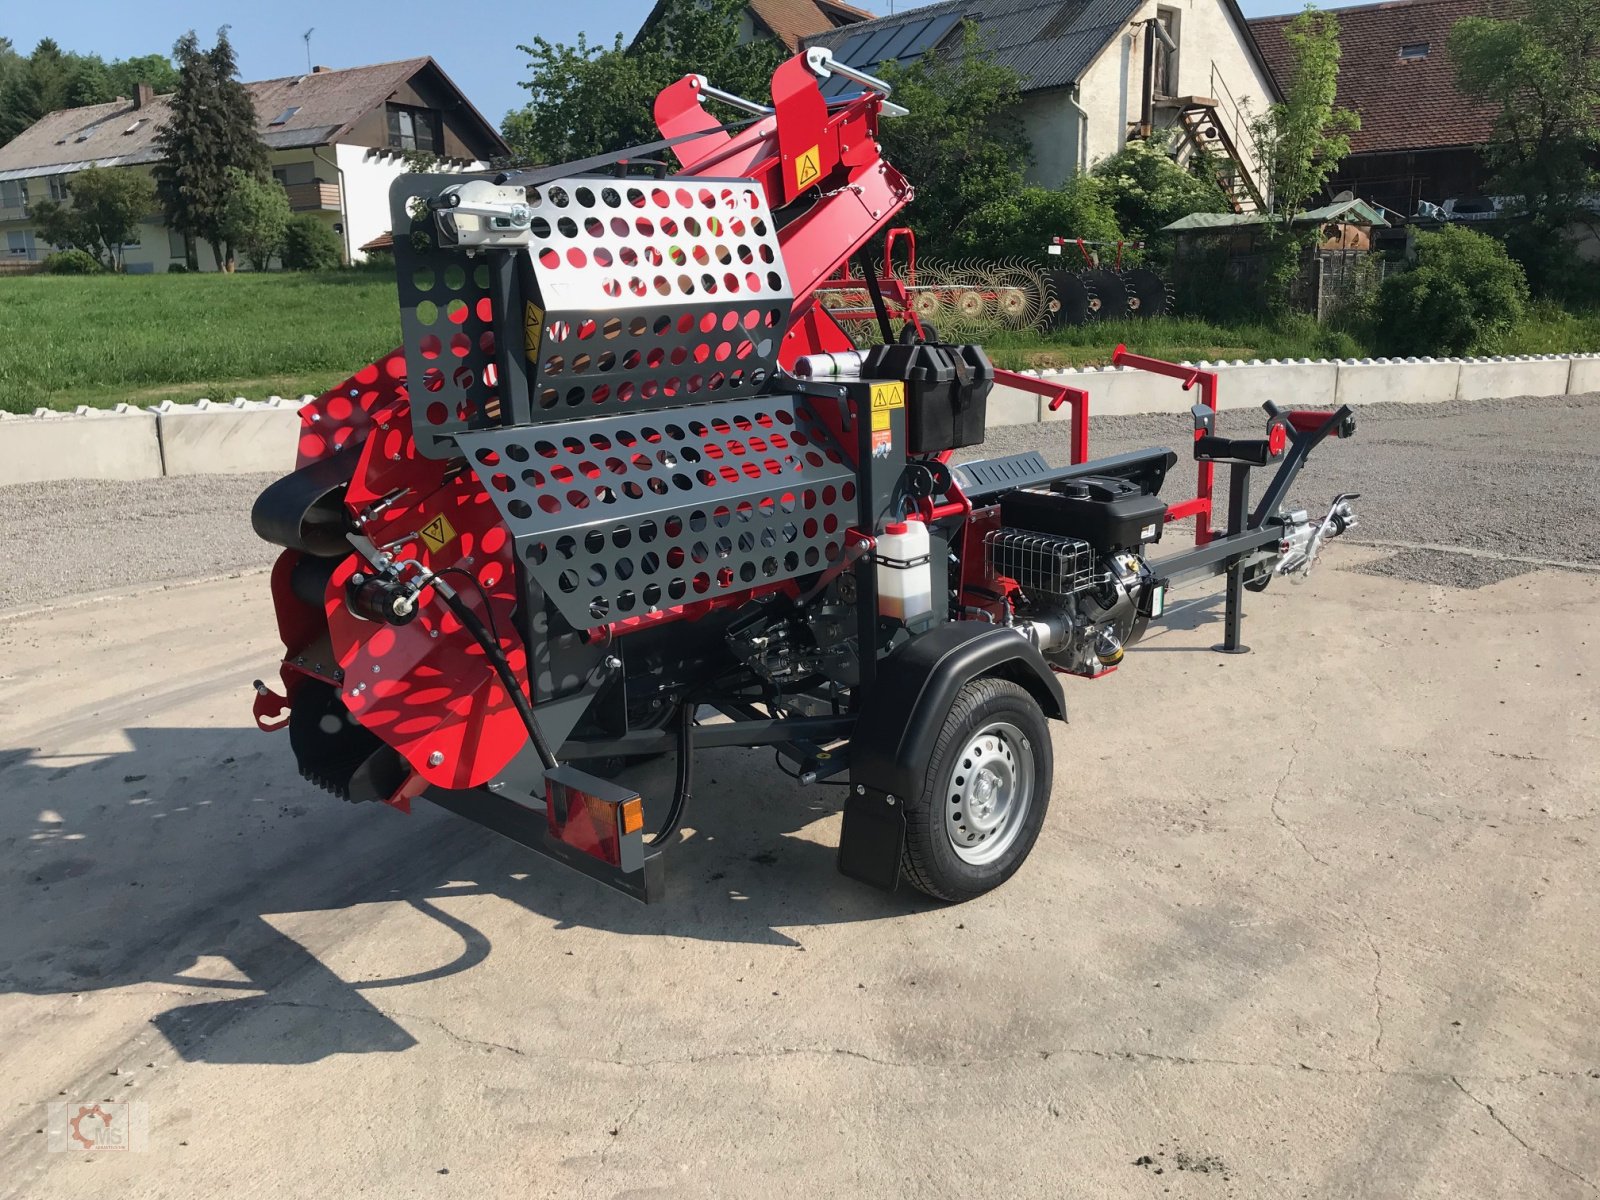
x,y
628,491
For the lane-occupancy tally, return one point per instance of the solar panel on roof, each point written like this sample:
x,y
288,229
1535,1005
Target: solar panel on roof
x,y
931,35
844,52
867,55
903,37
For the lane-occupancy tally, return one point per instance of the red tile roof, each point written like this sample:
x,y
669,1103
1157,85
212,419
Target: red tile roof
x,y
1404,105
791,20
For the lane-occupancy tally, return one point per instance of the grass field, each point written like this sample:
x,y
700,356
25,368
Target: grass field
x,y
143,339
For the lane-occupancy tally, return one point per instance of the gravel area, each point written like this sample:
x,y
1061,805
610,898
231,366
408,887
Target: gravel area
x,y
1469,492
1513,485
81,536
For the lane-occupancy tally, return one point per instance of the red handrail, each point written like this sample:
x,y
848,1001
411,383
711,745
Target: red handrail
x,y
1198,507
1058,394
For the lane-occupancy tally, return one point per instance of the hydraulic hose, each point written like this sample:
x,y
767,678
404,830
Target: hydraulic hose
x,y
497,659
680,792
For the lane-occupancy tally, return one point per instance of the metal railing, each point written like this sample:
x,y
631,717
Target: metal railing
x,y
1238,124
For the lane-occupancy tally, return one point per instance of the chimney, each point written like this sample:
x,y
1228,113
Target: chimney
x,y
320,70
143,93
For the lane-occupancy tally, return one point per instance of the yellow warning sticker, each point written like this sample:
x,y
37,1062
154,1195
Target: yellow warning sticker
x,y
888,395
808,168
880,419
532,329
438,533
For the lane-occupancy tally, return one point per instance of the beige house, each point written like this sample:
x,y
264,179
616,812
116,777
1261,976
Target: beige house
x,y
336,139
1097,73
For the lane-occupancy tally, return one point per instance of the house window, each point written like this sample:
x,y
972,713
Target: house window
x,y
284,117
134,128
414,129
19,243
290,174
13,193
1414,51
58,188
1166,57
176,246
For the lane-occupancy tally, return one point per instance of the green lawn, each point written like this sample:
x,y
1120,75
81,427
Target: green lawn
x,y
143,339
105,339
1181,339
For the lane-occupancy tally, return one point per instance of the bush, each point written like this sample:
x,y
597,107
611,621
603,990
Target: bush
x,y
1463,291
1020,224
309,245
177,269
1147,191
72,262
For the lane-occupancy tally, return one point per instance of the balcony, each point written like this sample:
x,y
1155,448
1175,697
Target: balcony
x,y
313,197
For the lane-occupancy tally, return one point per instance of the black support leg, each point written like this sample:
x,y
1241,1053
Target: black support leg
x,y
1238,514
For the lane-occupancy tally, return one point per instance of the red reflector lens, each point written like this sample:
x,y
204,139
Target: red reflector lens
x,y
591,814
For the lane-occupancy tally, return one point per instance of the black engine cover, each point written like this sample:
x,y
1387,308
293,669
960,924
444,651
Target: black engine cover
x,y
1109,513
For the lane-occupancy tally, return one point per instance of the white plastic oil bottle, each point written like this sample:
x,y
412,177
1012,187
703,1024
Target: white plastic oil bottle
x,y
905,576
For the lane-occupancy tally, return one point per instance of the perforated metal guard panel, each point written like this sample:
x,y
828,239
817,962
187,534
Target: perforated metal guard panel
x,y
619,516
656,294
446,324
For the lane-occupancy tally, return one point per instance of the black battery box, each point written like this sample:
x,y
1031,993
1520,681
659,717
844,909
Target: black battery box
x,y
1109,513
947,391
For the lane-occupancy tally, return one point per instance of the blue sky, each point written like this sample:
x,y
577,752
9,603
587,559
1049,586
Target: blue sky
x,y
476,43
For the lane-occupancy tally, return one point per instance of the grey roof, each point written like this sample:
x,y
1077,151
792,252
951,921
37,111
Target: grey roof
x,y
1357,212
319,108
1050,43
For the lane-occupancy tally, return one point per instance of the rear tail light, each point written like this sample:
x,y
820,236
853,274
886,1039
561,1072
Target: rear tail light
x,y
596,816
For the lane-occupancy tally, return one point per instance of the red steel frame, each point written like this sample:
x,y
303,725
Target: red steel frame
x,y
1199,506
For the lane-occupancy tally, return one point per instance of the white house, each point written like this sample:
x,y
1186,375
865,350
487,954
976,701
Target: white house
x,y
1097,73
336,140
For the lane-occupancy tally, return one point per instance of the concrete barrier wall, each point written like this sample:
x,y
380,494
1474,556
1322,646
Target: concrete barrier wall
x,y
89,445
244,437
1397,381
222,441
1483,379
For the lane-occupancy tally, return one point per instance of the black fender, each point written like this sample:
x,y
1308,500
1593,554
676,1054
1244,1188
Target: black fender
x,y
901,715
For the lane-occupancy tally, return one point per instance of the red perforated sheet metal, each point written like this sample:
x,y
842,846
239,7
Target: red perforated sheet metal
x,y
654,294
427,688
343,415
621,516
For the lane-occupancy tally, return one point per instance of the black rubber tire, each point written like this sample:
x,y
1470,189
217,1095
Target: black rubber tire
x,y
929,862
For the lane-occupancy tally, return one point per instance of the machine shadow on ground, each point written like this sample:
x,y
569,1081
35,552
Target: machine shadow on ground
x,y
148,866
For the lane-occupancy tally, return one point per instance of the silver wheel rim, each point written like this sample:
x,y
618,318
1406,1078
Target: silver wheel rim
x,y
989,793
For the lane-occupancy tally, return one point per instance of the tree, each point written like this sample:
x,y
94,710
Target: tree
x,y
1147,190
255,217
962,143
51,78
1303,138
588,99
126,74
210,132
1540,70
107,206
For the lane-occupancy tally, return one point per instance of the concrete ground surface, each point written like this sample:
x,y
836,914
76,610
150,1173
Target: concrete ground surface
x,y
1313,921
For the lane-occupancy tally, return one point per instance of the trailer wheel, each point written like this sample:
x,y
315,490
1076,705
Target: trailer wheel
x,y
985,795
